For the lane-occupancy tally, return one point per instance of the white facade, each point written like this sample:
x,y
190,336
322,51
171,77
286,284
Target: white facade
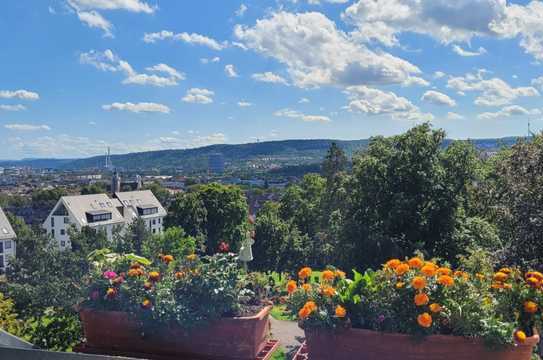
x,y
7,241
103,213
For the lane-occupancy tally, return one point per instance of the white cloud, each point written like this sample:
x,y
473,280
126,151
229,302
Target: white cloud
x,y
513,110
93,19
303,101
108,61
466,53
538,82
230,71
269,77
27,127
216,59
439,75
129,5
241,11
198,96
17,107
194,39
317,2
138,107
317,53
294,114
244,104
493,92
454,116
377,102
437,98
19,94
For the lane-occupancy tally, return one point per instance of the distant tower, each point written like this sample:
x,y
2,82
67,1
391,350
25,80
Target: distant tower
x,y
139,183
530,133
108,158
116,183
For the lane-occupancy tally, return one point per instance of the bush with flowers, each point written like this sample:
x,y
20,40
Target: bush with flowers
x,y
421,297
189,292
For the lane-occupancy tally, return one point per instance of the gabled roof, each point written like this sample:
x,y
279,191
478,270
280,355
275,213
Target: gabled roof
x,y
142,199
6,231
78,206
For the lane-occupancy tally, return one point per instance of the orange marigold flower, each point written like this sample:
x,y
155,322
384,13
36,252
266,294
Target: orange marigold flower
x,y
340,274
328,291
421,299
304,313
445,280
507,286
505,270
536,274
191,257
111,293
146,304
415,262
328,275
306,287
311,306
428,270
304,273
393,263
424,320
167,258
435,308
148,285
179,275
134,272
520,336
135,266
400,284
340,311
496,286
480,276
530,307
418,282
444,271
154,276
401,269
500,276
532,281
291,286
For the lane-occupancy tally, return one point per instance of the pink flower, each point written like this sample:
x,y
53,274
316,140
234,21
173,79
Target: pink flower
x,y
110,275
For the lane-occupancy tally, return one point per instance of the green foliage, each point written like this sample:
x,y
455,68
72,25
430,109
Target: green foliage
x,y
173,241
8,317
48,195
132,239
188,212
161,193
56,330
95,188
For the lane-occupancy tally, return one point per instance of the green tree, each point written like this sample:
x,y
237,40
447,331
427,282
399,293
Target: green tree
x,y
161,193
95,188
173,241
334,163
188,212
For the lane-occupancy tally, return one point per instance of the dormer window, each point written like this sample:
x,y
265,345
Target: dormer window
x,y
147,210
97,216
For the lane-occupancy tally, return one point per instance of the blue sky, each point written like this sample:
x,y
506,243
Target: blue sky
x,y
80,75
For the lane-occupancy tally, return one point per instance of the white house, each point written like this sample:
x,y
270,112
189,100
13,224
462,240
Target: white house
x,y
7,241
145,205
101,212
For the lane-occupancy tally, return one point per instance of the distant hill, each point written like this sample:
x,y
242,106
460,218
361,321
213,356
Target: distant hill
x,y
280,153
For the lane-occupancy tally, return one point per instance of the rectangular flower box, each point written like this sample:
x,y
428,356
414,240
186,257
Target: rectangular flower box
x,y
239,338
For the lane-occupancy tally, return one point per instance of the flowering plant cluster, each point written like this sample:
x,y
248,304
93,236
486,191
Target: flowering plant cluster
x,y
420,297
190,291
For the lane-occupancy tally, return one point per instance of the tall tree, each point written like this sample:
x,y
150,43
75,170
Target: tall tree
x,y
334,162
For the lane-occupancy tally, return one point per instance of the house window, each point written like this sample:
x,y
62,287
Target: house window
x,y
62,232
1,261
52,221
8,244
62,243
154,222
53,232
159,220
154,231
1,247
66,220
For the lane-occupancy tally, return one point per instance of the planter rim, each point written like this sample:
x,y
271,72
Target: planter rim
x,y
259,316
530,341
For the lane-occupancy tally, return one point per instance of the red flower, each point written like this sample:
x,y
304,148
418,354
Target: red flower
x,y
224,247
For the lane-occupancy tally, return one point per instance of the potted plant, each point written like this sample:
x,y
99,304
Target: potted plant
x,y
175,307
417,309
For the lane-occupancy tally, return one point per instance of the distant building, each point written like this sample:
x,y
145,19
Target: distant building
x,y
215,163
7,241
103,213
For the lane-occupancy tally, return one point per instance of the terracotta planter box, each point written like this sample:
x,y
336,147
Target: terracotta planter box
x,y
228,338
364,344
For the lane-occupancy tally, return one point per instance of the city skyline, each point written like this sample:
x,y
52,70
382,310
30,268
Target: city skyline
x,y
83,75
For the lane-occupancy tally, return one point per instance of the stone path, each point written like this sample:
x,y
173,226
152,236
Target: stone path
x,y
289,335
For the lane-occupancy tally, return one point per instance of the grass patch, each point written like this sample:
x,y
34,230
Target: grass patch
x,y
279,354
278,312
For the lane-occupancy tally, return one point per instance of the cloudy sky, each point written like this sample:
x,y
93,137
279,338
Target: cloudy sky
x,y
80,75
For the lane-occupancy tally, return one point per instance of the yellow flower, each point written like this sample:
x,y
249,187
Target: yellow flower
x,y
400,284
340,311
533,282
306,287
480,276
428,270
421,299
191,257
415,263
401,269
111,293
520,336
505,270
393,264
304,273
154,276
445,280
435,308
148,285
328,275
530,307
340,274
146,304
167,258
425,320
418,282
135,272
291,286
536,274
500,276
